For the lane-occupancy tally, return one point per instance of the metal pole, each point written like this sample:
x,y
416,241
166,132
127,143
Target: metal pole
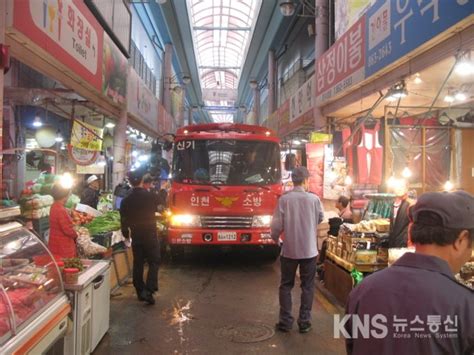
x,y
271,82
167,77
321,45
256,105
120,141
3,12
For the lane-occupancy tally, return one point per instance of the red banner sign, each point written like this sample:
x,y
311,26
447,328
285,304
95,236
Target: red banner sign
x,y
343,64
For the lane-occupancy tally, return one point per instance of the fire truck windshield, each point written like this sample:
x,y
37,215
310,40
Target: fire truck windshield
x,y
226,162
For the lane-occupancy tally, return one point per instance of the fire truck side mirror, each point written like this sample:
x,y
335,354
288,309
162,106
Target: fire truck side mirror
x,y
290,162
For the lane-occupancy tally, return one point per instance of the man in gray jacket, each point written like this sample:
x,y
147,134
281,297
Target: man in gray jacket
x,y
297,216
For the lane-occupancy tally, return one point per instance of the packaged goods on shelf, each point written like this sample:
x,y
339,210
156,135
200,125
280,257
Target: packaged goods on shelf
x,y
382,225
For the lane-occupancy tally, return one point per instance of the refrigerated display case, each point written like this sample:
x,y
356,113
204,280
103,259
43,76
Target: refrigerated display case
x,y
33,303
90,298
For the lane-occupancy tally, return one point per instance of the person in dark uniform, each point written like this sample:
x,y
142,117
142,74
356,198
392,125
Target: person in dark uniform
x,y
90,195
138,221
419,305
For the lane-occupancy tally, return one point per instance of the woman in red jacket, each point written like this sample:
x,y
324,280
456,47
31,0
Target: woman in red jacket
x,y
62,236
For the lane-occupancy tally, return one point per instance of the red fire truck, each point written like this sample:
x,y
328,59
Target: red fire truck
x,y
226,179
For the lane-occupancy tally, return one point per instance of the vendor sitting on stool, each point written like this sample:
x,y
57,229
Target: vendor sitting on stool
x,y
344,209
62,236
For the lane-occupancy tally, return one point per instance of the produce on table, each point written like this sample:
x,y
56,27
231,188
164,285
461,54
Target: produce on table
x,y
108,222
35,200
80,218
73,263
35,206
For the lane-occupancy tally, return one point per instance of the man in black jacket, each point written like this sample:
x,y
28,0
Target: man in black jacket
x,y
137,213
398,237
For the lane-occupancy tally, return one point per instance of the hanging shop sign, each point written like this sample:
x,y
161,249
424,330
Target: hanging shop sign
x,y
395,28
315,162
318,137
90,169
302,101
219,95
81,156
67,31
343,64
141,102
177,103
86,136
115,69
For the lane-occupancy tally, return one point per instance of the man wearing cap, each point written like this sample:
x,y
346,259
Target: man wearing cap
x,y
138,221
90,195
297,216
417,304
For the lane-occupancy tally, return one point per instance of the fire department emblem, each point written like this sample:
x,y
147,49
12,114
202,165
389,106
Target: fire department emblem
x,y
227,201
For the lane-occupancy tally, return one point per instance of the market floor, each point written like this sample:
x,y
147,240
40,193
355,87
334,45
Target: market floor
x,y
215,304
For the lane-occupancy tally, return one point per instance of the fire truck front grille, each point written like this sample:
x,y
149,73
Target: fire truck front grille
x,y
226,222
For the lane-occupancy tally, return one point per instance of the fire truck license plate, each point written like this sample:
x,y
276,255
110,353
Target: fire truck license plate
x,y
226,236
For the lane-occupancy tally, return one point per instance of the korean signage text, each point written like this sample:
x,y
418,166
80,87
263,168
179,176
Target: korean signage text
x,y
203,201
141,102
388,31
302,101
86,136
343,64
65,29
396,27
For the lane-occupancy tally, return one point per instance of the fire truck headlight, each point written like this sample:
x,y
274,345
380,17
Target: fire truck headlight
x,y
185,220
261,221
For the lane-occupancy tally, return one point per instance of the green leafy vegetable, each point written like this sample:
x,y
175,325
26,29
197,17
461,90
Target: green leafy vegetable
x,y
108,222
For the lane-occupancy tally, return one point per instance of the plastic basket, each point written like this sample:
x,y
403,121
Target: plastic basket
x,y
104,239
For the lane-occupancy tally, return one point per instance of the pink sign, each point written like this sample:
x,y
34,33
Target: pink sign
x,y
315,161
343,64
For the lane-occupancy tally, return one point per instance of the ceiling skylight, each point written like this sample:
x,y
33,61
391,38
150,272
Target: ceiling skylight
x,y
221,30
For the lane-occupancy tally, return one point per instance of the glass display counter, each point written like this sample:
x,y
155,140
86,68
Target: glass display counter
x,y
30,286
